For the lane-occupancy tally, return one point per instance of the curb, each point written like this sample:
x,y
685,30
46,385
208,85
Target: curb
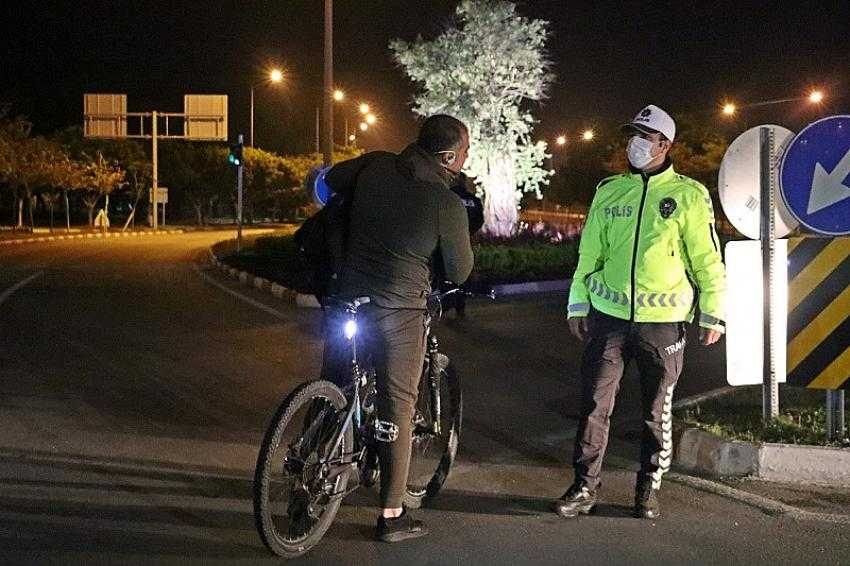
x,y
88,236
706,453
286,294
532,287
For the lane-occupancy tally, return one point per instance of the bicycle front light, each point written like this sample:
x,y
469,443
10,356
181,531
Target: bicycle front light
x,y
350,329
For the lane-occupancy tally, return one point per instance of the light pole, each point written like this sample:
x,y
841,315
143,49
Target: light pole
x,y
275,76
327,138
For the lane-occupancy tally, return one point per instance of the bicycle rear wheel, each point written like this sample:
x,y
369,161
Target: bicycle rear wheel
x,y
433,454
294,502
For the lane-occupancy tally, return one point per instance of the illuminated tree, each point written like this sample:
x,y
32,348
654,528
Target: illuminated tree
x,y
482,70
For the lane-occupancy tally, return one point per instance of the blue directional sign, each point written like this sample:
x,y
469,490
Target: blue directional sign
x,y
815,176
321,190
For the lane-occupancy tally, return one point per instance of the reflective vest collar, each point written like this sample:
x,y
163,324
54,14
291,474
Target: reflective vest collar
x,y
661,175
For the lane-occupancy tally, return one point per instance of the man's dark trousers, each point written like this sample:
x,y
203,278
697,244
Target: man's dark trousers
x,y
658,351
395,339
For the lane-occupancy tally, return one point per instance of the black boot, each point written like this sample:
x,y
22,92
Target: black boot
x,y
578,499
400,528
646,500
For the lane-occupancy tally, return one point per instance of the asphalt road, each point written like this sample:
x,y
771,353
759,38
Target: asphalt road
x,y
135,391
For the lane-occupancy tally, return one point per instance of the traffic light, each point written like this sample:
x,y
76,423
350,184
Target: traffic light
x,y
235,157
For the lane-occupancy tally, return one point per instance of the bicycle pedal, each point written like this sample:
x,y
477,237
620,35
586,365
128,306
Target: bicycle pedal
x,y
385,431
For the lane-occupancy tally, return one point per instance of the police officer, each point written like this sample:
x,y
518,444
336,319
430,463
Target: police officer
x,y
403,218
648,254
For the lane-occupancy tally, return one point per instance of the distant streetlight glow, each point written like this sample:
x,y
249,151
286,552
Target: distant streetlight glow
x,y
816,97
276,75
587,135
364,108
339,96
561,140
352,138
364,126
729,109
370,119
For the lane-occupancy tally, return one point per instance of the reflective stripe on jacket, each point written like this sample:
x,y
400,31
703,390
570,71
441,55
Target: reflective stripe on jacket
x,y
649,246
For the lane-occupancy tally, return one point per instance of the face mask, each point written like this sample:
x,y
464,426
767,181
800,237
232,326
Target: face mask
x,y
639,151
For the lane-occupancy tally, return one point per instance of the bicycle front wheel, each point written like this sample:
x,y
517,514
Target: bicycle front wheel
x,y
433,449
295,489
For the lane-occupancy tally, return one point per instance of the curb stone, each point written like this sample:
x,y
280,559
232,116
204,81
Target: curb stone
x,y
707,453
289,296
98,235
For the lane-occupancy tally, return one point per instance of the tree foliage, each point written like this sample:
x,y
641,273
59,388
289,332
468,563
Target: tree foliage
x,y
483,70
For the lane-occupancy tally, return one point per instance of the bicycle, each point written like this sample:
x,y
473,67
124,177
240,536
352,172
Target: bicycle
x,y
309,460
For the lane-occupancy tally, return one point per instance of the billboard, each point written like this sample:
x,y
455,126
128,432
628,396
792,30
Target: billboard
x,y
206,116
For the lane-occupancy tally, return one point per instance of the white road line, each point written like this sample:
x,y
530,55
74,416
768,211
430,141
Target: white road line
x,y
8,292
256,304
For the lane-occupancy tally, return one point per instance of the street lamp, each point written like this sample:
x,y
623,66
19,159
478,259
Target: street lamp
x,y
587,135
275,76
364,108
814,96
339,96
370,119
364,126
561,140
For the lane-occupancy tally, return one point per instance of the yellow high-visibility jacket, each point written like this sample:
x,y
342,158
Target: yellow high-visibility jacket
x,y
648,248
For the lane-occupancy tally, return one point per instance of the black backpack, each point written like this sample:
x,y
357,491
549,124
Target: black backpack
x,y
321,241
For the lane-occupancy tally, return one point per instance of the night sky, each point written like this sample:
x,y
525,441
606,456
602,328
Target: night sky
x,y
610,59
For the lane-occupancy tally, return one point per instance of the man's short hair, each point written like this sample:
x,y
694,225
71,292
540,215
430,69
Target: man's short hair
x,y
441,132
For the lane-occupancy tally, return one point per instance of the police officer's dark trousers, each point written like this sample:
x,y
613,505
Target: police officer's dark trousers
x,y
657,348
395,339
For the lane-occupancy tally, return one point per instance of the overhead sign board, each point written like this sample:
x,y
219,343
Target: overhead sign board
x,y
815,176
206,116
105,115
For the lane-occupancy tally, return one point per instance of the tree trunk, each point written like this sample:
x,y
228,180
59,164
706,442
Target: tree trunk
x,y
67,212
500,201
29,209
91,214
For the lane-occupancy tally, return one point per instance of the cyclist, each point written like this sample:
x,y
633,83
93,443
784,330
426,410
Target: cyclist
x,y
404,219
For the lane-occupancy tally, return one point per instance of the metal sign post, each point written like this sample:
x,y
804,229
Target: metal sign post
x,y
770,387
155,175
834,415
239,168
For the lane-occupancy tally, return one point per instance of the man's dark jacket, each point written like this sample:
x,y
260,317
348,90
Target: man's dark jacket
x,y
403,218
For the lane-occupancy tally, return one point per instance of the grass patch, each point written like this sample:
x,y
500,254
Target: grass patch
x,y
738,416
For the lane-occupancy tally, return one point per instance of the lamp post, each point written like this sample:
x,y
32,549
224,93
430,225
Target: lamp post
x,y
275,76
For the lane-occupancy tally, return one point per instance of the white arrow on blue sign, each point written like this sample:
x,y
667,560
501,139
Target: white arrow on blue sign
x,y
815,176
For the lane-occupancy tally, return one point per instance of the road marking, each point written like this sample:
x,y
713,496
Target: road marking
x,y
256,304
8,292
